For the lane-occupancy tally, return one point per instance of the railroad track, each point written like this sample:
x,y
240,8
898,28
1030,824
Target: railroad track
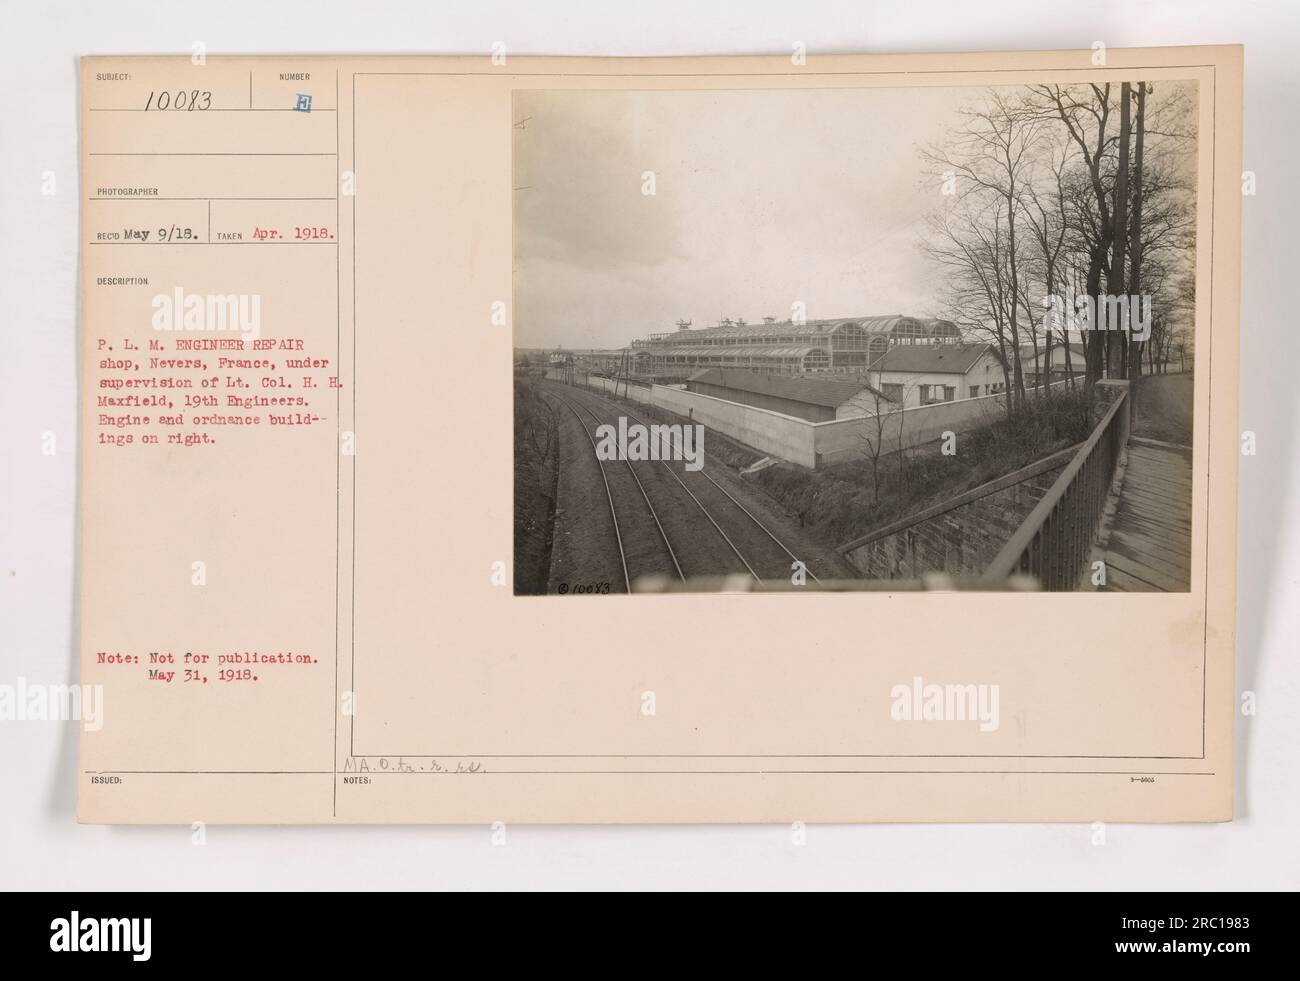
x,y
638,547
747,540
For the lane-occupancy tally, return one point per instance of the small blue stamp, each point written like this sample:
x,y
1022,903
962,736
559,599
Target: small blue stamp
x,y
303,104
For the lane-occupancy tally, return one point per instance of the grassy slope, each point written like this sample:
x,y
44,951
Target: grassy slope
x,y
1164,408
839,503
535,476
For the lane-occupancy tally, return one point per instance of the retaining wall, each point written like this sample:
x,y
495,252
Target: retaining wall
x,y
768,432
812,444
848,439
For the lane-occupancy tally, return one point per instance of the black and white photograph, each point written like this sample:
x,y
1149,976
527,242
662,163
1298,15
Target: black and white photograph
x,y
855,338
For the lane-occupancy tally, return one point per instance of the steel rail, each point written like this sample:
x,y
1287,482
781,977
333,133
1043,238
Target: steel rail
x,y
644,496
767,531
705,511
618,538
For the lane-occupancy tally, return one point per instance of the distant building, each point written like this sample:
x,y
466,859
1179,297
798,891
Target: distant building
x,y
925,374
817,399
844,345
604,360
1032,366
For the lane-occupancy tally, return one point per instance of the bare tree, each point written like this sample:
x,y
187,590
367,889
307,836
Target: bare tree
x,y
1133,353
873,440
1085,113
991,156
875,436
1046,215
968,247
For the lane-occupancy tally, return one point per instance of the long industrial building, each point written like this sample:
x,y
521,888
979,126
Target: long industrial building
x,y
814,399
847,344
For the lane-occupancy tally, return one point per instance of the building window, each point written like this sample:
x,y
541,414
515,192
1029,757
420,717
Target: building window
x,y
892,392
930,394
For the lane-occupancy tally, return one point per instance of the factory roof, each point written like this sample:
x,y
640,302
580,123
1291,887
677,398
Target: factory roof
x,y
931,358
748,351
829,392
890,323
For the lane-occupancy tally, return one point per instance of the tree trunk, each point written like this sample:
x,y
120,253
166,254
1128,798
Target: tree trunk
x,y
1135,233
1094,352
1119,212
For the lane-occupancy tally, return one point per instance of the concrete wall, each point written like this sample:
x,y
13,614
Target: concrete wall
x,y
770,432
813,444
849,439
788,407
865,403
629,390
782,436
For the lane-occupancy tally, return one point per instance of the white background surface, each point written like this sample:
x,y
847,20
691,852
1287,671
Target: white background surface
x,y
42,847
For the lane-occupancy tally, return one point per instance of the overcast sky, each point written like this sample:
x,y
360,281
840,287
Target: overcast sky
x,y
763,199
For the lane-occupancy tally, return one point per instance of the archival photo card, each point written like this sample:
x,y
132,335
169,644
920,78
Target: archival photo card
x,y
575,440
